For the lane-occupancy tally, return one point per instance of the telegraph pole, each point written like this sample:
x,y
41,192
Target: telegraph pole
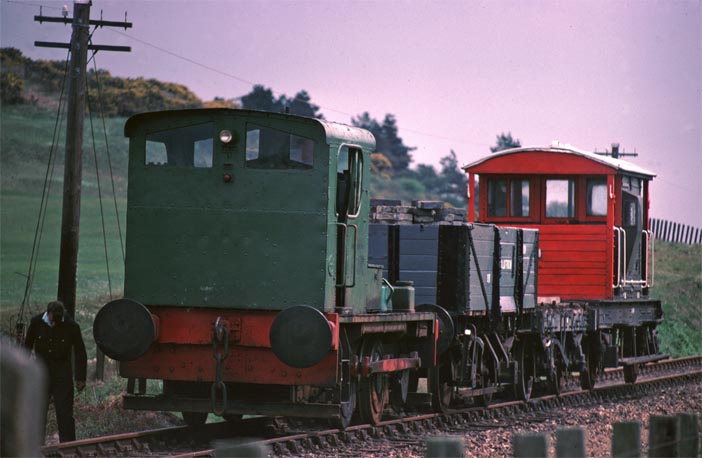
x,y
73,168
615,153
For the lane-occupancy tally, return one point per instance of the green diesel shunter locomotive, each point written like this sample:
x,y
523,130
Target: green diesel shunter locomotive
x,y
247,284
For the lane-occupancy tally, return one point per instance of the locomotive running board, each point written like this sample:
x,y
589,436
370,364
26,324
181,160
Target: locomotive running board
x,y
170,404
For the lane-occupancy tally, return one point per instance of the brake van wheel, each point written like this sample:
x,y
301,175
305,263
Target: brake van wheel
x,y
588,376
194,419
555,380
373,390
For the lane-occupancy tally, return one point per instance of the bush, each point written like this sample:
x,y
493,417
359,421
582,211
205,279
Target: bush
x,y
11,88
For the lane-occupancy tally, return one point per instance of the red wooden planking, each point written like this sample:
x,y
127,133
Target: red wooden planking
x,y
570,279
581,292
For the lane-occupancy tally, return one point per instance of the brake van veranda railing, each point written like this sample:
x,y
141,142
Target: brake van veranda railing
x,y
669,231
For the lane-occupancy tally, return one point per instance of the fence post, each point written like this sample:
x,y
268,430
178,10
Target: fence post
x,y
661,436
234,449
665,231
530,446
570,443
22,401
626,439
688,434
445,447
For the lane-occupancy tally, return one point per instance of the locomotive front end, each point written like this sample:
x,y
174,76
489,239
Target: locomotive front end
x,y
231,265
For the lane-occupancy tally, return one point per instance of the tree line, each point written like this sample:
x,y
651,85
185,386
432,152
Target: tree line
x,y
24,80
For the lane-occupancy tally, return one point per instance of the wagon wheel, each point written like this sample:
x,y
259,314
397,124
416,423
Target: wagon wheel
x,y
588,376
373,390
487,379
526,370
233,417
348,407
194,419
631,373
399,388
440,387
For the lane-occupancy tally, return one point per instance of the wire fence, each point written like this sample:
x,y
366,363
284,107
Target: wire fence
x,y
670,231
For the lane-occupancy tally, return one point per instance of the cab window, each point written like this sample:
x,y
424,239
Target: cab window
x,y
189,146
560,198
349,179
273,149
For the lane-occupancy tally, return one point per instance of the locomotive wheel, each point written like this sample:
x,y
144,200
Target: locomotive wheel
x,y
526,370
440,377
631,373
194,419
373,390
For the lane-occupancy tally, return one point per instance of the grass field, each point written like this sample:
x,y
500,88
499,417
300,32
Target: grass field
x,y
678,284
24,145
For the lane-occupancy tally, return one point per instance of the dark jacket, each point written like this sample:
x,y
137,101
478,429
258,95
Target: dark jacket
x,y
54,344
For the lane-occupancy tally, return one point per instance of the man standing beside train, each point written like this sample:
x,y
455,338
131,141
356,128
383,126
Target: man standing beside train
x,y
54,337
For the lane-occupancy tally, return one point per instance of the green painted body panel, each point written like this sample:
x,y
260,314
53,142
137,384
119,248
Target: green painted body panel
x,y
264,240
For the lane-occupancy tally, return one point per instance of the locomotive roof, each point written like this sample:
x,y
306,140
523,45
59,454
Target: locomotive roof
x,y
336,132
566,149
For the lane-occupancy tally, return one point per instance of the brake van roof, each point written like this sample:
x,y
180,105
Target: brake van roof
x,y
569,153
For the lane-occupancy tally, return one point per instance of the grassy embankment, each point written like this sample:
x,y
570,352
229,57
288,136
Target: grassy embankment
x,y
26,138
24,145
678,284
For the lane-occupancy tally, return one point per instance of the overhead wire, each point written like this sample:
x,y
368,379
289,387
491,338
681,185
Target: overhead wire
x,y
249,82
43,205
109,156
34,4
97,177
278,93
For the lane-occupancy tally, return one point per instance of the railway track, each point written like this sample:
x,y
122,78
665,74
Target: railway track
x,y
283,437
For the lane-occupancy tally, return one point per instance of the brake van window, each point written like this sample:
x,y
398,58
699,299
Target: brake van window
x,y
273,149
189,146
560,198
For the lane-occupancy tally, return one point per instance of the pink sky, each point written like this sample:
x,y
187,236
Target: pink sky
x,y
455,74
